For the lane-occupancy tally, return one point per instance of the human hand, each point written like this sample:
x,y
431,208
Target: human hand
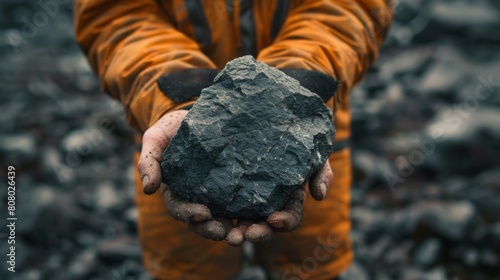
x,y
198,217
288,218
155,140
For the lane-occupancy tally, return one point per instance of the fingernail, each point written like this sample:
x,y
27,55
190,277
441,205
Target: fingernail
x,y
145,180
277,224
322,188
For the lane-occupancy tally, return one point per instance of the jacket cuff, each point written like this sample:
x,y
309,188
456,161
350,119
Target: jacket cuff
x,y
317,82
184,85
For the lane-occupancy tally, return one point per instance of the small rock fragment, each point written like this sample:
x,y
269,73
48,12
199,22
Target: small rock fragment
x,y
428,252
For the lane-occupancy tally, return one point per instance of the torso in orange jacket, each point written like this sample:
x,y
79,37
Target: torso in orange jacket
x,y
132,44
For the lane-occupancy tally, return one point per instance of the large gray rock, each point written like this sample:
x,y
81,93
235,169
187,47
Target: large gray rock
x,y
249,141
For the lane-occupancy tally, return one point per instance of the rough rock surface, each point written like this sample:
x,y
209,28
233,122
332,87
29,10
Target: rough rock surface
x,y
249,141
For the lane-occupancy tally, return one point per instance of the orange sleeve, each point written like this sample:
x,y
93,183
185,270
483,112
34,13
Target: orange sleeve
x,y
130,45
337,37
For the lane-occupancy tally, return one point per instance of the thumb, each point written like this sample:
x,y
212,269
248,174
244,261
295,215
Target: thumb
x,y
155,140
320,182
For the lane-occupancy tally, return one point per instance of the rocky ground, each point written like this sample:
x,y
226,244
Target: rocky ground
x,y
426,151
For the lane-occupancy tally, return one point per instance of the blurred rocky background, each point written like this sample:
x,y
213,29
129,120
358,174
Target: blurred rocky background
x,y
426,150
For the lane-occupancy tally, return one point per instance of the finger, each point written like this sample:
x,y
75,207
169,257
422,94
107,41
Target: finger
x,y
155,140
211,229
236,236
259,232
320,182
153,145
184,211
290,217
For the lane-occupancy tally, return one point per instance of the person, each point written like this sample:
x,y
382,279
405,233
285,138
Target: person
x,y
155,56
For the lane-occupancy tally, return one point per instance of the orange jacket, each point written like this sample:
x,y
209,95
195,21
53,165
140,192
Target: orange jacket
x,y
131,44
155,56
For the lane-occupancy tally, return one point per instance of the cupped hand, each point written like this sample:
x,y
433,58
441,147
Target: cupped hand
x,y
197,216
288,218
155,140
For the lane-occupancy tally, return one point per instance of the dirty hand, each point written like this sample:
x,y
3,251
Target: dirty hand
x,y
154,142
288,218
198,216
